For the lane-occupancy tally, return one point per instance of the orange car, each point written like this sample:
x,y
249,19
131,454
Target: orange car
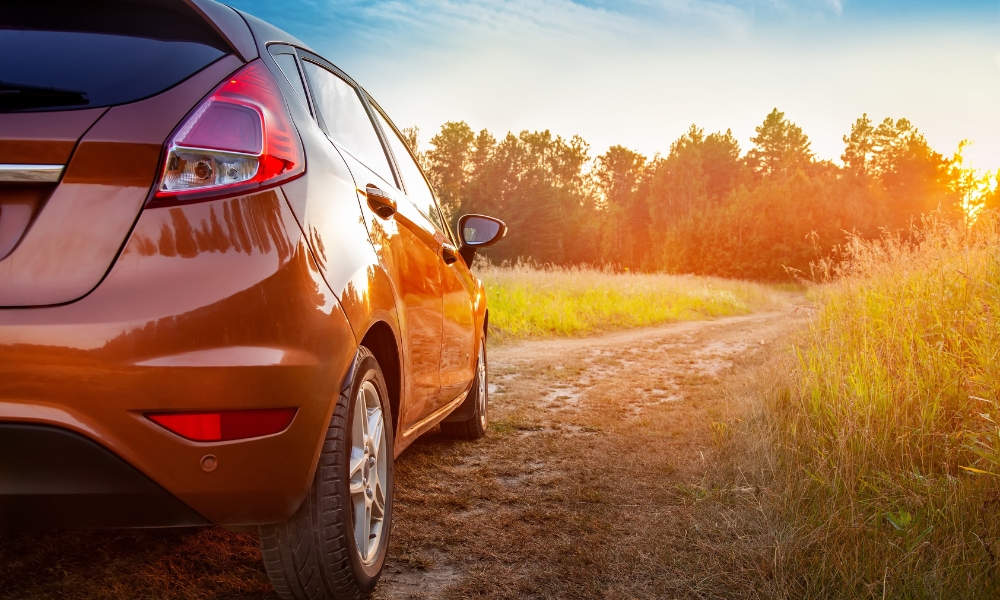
x,y
227,293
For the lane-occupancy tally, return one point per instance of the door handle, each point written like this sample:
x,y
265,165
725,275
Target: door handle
x,y
449,253
380,202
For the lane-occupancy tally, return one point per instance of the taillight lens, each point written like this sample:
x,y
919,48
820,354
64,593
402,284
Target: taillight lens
x,y
225,425
238,139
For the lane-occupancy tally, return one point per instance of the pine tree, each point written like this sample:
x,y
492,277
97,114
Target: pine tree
x,y
780,147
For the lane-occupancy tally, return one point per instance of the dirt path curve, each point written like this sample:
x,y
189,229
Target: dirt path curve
x,y
590,482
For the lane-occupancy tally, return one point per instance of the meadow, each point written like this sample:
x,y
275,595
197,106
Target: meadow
x,y
876,438
528,301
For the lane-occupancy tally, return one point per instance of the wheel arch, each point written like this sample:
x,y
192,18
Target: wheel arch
x,y
380,339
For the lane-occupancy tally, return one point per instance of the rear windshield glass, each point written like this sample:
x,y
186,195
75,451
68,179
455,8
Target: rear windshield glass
x,y
60,56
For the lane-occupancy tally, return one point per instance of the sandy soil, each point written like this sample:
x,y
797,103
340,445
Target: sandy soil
x,y
597,481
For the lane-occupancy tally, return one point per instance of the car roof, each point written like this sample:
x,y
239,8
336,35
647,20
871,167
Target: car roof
x,y
266,33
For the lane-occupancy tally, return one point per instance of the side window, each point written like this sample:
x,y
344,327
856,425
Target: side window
x,y
413,179
345,118
286,62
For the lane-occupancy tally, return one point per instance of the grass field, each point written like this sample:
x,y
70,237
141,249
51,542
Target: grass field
x,y
877,439
527,301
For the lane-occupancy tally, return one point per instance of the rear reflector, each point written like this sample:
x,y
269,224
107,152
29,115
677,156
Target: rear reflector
x,y
226,425
239,139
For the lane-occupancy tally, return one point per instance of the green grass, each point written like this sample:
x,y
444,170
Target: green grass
x,y
883,437
527,301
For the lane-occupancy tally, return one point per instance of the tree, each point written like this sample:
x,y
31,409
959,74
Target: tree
x,y
917,180
721,164
702,208
860,147
534,181
448,163
411,135
780,147
977,190
618,173
699,173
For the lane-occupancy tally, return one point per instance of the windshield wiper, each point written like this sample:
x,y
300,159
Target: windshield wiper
x,y
17,96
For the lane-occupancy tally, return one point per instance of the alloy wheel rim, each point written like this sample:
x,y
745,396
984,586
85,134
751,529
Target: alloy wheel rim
x,y
368,472
482,386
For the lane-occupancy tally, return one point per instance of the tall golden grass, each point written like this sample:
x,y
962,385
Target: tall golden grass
x,y
538,301
884,441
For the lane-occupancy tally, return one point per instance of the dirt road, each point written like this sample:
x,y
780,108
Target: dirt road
x,y
597,480
593,481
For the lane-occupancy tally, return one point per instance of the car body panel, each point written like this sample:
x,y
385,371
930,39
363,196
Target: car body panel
x,y
213,305
457,286
45,138
459,340
411,257
75,237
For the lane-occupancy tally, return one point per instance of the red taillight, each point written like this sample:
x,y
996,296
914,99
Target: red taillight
x,y
239,138
225,425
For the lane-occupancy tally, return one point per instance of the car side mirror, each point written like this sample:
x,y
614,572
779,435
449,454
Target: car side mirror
x,y
478,231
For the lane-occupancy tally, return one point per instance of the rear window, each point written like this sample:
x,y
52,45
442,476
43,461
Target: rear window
x,y
60,55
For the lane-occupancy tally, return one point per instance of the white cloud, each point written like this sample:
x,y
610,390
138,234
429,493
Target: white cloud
x,y
563,19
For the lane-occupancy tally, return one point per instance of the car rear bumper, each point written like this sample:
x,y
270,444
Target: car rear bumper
x,y
211,306
51,478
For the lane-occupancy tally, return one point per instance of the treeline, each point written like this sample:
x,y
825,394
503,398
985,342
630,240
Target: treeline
x,y
706,207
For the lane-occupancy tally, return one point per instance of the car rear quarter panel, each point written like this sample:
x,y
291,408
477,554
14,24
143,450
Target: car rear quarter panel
x,y
326,204
213,305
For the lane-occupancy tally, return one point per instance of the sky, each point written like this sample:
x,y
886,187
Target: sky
x,y
639,72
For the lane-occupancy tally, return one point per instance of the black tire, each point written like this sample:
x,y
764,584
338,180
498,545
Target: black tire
x,y
476,404
314,555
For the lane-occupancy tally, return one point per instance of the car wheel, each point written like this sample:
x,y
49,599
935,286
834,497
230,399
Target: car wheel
x,y
334,546
474,427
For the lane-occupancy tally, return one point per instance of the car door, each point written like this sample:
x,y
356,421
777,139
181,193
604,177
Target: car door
x,y
405,241
458,341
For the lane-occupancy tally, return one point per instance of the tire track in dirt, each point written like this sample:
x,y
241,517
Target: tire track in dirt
x,y
590,482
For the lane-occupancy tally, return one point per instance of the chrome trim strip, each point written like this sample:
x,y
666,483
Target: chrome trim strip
x,y
30,173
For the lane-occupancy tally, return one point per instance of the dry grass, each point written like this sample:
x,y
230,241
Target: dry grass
x,y
871,440
133,564
531,301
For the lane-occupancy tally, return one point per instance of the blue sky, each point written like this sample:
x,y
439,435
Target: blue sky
x,y
639,72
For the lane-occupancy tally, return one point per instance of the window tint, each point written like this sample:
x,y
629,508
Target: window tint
x,y
60,55
345,118
413,179
286,62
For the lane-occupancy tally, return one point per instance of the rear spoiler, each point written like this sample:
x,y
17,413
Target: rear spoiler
x,y
228,24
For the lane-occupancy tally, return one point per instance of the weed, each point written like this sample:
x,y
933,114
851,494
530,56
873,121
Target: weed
x,y
883,438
